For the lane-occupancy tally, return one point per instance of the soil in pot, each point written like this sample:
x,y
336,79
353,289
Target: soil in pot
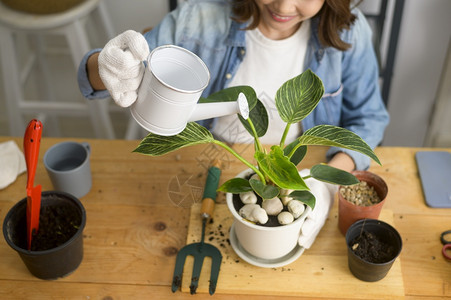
x,y
380,244
57,224
57,248
370,248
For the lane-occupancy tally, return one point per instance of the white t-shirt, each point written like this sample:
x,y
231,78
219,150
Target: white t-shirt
x,y
265,67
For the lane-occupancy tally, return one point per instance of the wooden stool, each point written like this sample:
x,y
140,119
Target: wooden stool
x,y
70,24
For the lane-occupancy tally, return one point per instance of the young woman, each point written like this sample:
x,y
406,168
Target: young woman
x,y
262,43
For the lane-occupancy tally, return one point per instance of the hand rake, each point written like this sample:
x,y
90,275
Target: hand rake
x,y
201,250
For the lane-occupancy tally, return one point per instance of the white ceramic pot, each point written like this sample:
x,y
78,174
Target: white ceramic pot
x,y
267,243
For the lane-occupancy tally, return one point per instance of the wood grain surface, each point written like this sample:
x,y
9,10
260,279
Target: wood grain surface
x,y
138,213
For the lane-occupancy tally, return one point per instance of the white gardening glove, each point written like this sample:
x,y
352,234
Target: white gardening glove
x,y
121,66
12,163
324,194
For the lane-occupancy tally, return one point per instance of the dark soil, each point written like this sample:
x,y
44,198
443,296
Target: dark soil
x,y
58,223
368,247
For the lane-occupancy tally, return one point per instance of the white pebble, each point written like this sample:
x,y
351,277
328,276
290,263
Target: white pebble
x,y
246,211
284,196
248,197
272,206
285,218
259,215
254,213
297,208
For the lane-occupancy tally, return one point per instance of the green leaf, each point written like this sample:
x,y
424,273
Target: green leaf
x,y
280,170
231,94
298,155
305,197
264,191
333,175
328,135
156,145
297,97
259,117
235,186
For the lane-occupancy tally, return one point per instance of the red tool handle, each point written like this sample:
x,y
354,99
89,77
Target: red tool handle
x,y
31,145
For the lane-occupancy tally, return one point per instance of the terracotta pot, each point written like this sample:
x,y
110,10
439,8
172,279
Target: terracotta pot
x,y
348,213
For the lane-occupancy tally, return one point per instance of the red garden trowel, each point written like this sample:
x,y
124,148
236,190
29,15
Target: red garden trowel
x,y
31,144
201,250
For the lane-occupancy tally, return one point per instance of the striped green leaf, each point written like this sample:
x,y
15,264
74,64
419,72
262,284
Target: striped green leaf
x,y
280,170
297,97
328,135
157,145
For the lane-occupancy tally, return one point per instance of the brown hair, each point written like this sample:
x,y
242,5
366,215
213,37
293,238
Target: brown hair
x,y
334,16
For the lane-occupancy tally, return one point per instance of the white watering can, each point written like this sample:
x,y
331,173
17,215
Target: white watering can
x,y
173,82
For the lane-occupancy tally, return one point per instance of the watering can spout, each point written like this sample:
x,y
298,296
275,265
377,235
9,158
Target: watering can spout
x,y
204,111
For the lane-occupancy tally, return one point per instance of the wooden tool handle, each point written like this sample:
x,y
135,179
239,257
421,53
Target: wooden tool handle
x,y
208,206
211,185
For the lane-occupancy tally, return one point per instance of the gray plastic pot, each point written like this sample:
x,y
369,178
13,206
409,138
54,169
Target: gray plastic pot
x,y
368,271
52,263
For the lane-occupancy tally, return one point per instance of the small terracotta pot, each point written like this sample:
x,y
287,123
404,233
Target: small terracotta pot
x,y
348,213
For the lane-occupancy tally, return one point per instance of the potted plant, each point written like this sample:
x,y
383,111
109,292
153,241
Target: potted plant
x,y
361,201
373,247
57,247
275,172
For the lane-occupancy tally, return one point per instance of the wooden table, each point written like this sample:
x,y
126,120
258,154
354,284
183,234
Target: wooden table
x,y
138,214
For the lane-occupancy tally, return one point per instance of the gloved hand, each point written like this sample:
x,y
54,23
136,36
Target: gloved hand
x,y
324,194
121,66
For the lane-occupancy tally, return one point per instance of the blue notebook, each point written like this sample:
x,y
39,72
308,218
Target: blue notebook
x,y
435,173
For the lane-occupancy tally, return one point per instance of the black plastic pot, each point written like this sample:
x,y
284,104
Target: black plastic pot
x,y
52,263
368,271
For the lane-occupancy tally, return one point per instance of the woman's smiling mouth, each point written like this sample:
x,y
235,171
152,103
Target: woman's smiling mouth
x,y
280,18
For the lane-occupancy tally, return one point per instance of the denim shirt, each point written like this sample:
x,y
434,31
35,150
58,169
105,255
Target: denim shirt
x,y
352,98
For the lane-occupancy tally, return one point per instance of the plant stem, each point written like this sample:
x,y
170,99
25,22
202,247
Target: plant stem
x,y
240,158
294,150
257,141
284,136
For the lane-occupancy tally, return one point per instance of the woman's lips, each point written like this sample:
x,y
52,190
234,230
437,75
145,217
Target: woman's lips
x,y
280,18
